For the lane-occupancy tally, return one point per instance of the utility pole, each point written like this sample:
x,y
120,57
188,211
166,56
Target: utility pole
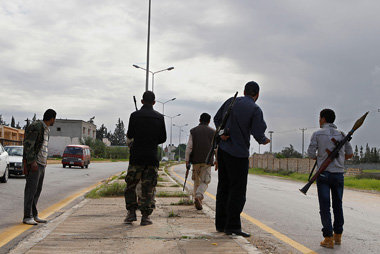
x,y
271,141
147,50
303,139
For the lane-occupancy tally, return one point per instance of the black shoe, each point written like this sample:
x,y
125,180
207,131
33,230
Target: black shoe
x,y
131,216
237,232
145,220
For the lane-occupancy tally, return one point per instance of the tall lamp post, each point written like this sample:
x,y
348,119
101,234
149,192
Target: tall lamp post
x,y
153,73
271,141
147,50
171,127
163,112
179,139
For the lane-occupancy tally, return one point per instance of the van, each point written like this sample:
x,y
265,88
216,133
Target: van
x,y
76,155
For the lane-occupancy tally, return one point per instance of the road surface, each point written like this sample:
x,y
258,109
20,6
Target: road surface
x,y
280,205
59,183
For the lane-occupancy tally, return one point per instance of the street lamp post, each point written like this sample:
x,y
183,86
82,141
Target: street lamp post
x,y
171,127
147,50
153,73
179,139
163,112
271,141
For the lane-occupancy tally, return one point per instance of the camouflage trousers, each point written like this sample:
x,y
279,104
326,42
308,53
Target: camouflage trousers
x,y
148,177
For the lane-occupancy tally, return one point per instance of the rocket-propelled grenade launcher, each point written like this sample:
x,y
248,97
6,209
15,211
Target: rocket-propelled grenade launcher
x,y
333,154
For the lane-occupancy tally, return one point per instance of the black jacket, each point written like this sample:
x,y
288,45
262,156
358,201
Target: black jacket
x,y
147,128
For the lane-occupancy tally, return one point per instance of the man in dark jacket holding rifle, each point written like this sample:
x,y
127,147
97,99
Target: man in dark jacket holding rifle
x,y
332,179
246,118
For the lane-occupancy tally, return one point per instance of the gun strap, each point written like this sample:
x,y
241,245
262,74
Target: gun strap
x,y
311,173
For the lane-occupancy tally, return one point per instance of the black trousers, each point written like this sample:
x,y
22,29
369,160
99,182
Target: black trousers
x,y
231,192
33,187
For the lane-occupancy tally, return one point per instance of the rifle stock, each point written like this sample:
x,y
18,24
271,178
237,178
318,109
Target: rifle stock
x,y
334,153
216,138
188,166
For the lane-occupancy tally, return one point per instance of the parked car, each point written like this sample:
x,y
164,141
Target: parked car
x,y
76,155
4,165
15,159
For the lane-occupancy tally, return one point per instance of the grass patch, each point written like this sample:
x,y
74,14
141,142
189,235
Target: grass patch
x,y
161,179
184,201
172,214
167,194
371,171
361,182
115,189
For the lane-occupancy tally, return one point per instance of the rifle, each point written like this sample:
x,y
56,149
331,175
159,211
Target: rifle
x,y
219,132
134,99
335,153
188,166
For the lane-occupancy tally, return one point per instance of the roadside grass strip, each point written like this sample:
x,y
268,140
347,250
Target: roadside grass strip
x,y
114,189
172,214
278,235
362,182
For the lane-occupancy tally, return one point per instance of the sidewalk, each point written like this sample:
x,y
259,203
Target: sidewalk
x,y
96,226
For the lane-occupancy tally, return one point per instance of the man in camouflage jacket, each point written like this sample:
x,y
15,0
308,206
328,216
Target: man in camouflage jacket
x,y
35,160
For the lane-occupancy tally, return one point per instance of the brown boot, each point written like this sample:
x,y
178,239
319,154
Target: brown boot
x,y
328,242
145,220
198,203
131,216
338,239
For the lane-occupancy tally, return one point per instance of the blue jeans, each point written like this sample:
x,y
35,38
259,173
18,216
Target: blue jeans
x,y
333,182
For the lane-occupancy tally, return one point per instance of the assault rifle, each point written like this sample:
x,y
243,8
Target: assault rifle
x,y
334,153
219,132
188,166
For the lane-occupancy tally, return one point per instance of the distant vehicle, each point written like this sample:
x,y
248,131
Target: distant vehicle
x,y
165,159
76,155
4,165
15,159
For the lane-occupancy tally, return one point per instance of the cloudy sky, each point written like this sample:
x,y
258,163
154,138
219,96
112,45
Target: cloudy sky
x,y
77,57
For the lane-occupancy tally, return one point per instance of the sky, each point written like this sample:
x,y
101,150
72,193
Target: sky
x,y
76,57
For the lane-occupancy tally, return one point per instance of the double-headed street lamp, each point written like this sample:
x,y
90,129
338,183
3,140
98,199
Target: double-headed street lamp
x,y
153,72
179,139
163,112
171,126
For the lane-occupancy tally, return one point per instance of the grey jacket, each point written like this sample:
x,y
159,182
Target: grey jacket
x,y
321,140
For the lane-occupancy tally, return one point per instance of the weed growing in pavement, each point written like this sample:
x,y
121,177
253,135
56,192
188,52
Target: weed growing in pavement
x,y
173,214
107,190
169,194
184,201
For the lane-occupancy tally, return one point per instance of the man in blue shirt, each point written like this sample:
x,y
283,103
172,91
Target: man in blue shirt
x,y
331,180
246,119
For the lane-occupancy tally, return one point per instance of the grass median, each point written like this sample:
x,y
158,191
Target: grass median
x,y
356,182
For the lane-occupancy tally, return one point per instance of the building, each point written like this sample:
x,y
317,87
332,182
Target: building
x,y
67,132
11,136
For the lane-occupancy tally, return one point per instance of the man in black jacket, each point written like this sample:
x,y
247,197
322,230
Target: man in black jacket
x,y
147,129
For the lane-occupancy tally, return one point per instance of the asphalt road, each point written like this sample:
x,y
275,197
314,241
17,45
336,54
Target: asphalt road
x,y
280,205
59,183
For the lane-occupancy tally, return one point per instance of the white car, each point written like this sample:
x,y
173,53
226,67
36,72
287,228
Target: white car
x,y
15,159
4,165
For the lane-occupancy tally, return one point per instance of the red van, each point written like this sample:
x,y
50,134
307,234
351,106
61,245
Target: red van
x,y
76,155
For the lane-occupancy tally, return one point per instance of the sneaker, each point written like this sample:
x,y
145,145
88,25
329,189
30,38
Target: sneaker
x,y
131,217
338,239
198,203
145,220
29,221
39,220
328,242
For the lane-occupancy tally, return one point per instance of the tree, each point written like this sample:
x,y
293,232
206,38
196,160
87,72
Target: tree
x,y
180,149
13,124
34,118
118,138
18,125
101,132
290,152
361,153
367,154
356,158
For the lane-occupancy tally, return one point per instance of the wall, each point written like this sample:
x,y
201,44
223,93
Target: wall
x,y
57,145
269,162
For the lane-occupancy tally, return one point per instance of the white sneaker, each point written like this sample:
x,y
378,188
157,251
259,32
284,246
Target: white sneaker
x,y
39,220
29,221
